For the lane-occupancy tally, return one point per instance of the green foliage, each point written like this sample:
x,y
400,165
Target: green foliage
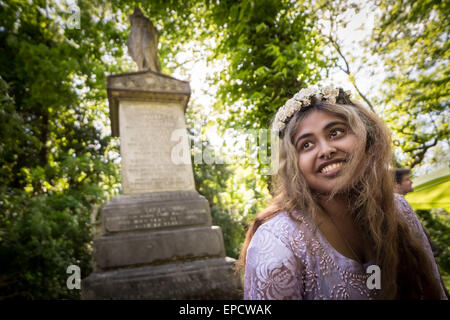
x,y
411,37
272,50
234,199
211,182
234,194
56,163
437,224
44,235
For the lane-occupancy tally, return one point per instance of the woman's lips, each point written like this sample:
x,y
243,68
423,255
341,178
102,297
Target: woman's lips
x,y
332,169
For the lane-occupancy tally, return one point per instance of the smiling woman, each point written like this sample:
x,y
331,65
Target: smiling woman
x,y
324,143
334,216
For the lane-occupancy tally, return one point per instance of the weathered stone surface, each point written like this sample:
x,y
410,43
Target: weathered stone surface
x,y
144,86
154,147
158,247
155,211
204,279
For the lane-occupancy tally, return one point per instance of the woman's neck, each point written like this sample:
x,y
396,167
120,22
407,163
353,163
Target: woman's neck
x,y
337,207
336,223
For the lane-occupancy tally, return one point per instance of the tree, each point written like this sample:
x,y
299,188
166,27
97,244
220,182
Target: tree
x,y
412,38
272,49
334,17
56,163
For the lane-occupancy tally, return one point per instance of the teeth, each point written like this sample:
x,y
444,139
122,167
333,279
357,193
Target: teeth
x,y
331,167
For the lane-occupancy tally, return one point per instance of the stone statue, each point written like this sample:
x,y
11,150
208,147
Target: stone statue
x,y
143,42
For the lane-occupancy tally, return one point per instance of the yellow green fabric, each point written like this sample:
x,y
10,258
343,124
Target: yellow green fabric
x,y
431,191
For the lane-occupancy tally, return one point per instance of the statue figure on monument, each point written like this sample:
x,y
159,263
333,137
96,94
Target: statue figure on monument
x,y
143,42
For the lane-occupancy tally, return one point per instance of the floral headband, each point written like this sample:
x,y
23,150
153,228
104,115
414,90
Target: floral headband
x,y
303,99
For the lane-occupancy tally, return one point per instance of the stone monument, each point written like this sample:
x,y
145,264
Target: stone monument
x,y
157,239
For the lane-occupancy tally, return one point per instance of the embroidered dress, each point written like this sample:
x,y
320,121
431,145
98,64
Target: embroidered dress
x,y
293,260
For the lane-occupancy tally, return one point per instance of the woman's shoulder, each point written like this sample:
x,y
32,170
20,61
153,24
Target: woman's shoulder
x,y
273,270
279,222
284,228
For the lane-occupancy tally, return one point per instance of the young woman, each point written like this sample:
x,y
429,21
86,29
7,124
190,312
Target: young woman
x,y
334,213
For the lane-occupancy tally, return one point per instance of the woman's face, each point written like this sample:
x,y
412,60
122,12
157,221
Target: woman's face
x,y
323,142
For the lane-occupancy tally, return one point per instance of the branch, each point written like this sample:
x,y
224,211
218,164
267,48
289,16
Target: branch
x,y
348,72
419,156
364,97
338,49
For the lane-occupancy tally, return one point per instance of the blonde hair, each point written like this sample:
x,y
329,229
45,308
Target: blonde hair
x,y
368,181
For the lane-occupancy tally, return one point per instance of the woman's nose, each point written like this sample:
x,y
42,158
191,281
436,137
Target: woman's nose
x,y
326,150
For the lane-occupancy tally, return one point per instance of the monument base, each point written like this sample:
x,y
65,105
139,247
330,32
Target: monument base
x,y
159,247
196,280
155,211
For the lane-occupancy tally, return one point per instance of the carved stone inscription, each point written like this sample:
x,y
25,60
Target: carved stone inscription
x,y
150,132
156,217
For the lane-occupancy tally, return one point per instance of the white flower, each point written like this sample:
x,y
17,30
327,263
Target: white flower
x,y
306,101
303,94
278,126
291,106
289,112
327,91
319,96
306,92
282,114
314,91
331,99
303,99
298,96
330,94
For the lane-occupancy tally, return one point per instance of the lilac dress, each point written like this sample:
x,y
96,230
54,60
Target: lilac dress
x,y
288,260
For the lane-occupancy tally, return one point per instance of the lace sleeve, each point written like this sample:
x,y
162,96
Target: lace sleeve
x,y
271,271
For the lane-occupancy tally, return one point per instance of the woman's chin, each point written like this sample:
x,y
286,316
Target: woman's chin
x,y
330,190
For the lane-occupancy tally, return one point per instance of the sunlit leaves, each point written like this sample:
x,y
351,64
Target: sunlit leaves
x,y
412,37
56,161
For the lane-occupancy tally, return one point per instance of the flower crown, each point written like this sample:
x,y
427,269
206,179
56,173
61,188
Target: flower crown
x,y
303,99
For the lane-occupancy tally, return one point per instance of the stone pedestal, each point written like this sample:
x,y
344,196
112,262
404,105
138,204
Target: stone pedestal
x,y
157,239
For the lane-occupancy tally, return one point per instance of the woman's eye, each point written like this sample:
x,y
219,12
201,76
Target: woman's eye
x,y
306,145
337,132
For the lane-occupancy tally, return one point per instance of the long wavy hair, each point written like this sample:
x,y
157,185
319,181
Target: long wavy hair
x,y
407,271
